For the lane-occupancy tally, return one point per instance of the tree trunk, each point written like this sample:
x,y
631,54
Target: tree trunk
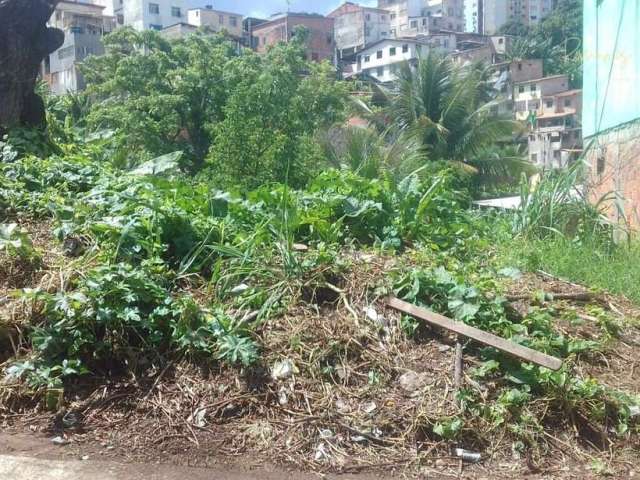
x,y
24,41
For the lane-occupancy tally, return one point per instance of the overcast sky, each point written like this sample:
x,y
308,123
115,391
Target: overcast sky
x,y
264,8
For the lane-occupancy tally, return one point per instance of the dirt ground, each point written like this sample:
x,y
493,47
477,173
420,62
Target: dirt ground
x,y
342,409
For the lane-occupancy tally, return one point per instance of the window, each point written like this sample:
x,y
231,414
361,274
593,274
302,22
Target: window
x,y
329,38
556,154
383,17
414,24
424,22
379,54
154,9
549,103
154,26
532,87
175,12
521,89
534,158
367,58
314,56
368,17
534,17
120,18
383,34
221,19
446,43
405,48
233,21
519,67
392,51
500,41
567,102
380,71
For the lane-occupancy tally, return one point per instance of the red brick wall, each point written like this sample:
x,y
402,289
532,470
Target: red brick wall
x,y
614,161
321,44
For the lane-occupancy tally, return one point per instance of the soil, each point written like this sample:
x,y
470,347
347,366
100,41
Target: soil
x,y
345,406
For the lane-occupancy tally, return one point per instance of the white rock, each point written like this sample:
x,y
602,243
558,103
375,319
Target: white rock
x,y
369,407
283,369
237,290
59,440
412,381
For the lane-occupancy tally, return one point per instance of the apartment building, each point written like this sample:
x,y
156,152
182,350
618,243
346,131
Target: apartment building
x,y
528,94
555,139
411,17
150,14
356,26
488,16
281,28
84,25
382,60
216,20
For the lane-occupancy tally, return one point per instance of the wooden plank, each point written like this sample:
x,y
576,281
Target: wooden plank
x,y
481,336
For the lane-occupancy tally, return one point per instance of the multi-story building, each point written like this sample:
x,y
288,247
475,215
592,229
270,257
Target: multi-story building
x,y
611,114
248,26
555,138
528,94
83,24
150,15
410,17
216,20
281,28
356,26
491,15
382,60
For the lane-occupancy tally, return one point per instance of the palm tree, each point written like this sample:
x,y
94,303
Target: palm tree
x,y
448,108
374,155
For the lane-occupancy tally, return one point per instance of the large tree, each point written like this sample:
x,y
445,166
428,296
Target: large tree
x,y
24,41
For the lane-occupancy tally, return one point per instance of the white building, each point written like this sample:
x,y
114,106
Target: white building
x,y
149,14
408,16
356,26
382,60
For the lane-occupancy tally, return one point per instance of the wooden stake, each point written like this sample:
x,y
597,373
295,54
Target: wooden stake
x,y
468,331
457,373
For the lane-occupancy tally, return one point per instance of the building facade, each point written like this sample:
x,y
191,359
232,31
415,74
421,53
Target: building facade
x,y
150,14
216,20
382,60
528,94
555,139
409,17
611,110
488,16
356,26
84,25
281,28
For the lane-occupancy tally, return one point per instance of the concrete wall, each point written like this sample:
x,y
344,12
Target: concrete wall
x,y
609,54
528,95
356,26
384,69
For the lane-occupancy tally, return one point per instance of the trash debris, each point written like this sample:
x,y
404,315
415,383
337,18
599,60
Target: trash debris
x,y
321,453
300,247
59,440
342,406
374,316
70,419
237,290
326,434
197,418
634,411
467,456
444,348
412,381
369,407
282,397
84,457
283,369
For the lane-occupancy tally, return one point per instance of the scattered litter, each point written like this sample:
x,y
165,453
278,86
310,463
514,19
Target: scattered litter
x,y
237,290
283,369
444,348
84,457
468,456
369,407
197,418
321,453
342,406
510,272
326,434
59,440
375,317
70,420
300,247
282,397
634,411
412,381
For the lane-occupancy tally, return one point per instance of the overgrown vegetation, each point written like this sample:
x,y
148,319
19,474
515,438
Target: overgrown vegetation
x,y
205,195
